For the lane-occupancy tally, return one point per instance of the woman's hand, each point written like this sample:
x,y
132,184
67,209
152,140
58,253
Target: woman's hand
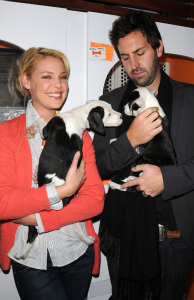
x,y
74,179
29,220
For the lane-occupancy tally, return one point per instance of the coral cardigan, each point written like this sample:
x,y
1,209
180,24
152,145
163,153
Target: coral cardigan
x,y
18,199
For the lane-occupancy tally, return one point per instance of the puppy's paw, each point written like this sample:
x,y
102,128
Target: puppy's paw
x,y
88,240
112,140
22,254
129,178
114,185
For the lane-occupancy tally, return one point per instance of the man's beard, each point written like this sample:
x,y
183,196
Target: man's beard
x,y
150,77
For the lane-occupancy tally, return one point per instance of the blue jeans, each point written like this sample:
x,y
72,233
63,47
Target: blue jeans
x,y
176,260
70,282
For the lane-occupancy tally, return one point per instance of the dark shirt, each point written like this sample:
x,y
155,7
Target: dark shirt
x,y
165,95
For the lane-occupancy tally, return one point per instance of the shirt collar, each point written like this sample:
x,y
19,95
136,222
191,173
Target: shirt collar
x,y
165,95
31,114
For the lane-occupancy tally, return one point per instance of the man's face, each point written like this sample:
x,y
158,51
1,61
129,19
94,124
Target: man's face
x,y
139,59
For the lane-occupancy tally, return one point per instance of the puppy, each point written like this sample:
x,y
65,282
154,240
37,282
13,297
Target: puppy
x,y
63,136
159,151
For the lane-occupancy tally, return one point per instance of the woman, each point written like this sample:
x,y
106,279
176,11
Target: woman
x,y
59,266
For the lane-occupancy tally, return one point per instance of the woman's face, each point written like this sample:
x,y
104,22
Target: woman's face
x,y
48,85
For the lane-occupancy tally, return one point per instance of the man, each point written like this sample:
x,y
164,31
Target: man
x,y
145,260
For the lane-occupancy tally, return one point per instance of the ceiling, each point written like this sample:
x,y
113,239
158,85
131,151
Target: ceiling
x,y
177,12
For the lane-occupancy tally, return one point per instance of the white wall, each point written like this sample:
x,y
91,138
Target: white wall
x,y
71,32
98,27
77,55
177,39
29,25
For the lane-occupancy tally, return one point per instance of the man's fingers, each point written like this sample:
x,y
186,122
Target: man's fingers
x,y
130,183
138,168
149,111
154,116
157,130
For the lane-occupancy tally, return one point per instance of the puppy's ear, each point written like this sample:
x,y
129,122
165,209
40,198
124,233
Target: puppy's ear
x,y
134,106
51,127
95,118
133,96
46,132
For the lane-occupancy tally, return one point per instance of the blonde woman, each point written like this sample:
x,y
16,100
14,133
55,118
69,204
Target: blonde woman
x,y
59,266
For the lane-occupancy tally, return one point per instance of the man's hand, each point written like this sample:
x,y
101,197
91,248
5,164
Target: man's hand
x,y
144,127
150,182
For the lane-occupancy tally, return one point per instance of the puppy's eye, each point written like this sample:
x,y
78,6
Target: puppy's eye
x,y
109,114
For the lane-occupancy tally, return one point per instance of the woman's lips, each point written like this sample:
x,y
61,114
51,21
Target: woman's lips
x,y
55,96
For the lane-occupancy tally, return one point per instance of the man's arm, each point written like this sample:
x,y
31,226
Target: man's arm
x,y
112,157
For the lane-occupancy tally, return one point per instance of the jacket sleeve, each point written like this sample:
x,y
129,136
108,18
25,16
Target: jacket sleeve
x,y
90,199
17,198
179,179
112,157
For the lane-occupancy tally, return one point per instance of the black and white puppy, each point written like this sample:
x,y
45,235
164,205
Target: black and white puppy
x,y
159,151
63,135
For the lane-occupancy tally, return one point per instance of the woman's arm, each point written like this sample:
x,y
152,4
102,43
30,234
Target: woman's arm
x,y
113,157
74,180
17,198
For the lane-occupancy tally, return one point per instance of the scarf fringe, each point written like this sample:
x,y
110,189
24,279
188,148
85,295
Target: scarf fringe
x,y
138,290
107,241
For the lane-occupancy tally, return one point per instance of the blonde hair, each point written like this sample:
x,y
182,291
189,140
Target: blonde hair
x,y
28,61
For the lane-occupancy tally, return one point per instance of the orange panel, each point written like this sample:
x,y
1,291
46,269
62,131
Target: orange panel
x,y
181,67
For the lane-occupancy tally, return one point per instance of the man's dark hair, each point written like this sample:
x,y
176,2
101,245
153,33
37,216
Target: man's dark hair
x,y
135,21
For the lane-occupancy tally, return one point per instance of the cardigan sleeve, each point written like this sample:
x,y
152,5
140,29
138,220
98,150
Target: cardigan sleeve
x,y
17,198
90,199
